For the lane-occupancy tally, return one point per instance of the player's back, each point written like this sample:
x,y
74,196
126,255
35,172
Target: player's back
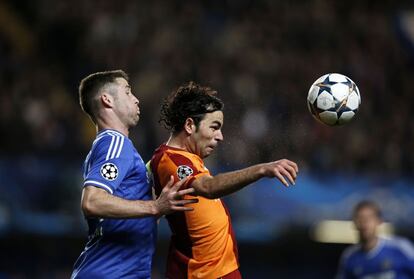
x,y
117,248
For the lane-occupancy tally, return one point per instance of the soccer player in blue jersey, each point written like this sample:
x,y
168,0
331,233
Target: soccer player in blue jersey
x,y
375,257
117,198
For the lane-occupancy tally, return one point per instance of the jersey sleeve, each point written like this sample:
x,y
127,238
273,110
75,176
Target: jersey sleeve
x,y
343,268
407,249
180,167
111,159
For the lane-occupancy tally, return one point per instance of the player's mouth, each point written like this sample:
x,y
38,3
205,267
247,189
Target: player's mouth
x,y
211,147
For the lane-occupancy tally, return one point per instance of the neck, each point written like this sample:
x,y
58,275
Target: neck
x,y
113,124
179,141
369,244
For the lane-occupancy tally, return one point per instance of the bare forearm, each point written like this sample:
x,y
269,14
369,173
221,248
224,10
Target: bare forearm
x,y
105,205
227,183
223,184
98,203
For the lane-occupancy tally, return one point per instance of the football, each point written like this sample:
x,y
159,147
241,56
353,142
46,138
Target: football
x,y
334,99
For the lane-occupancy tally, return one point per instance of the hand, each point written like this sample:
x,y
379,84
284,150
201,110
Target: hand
x,y
282,169
171,199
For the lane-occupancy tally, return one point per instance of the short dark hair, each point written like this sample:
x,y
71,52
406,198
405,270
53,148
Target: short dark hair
x,y
190,100
92,84
367,204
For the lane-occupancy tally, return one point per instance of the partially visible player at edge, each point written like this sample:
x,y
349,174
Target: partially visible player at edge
x,y
375,256
116,198
203,243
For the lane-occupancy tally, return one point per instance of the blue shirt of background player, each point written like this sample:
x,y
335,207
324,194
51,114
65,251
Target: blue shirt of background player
x,y
392,258
117,248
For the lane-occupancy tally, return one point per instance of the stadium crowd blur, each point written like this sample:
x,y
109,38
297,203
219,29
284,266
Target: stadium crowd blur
x,y
261,56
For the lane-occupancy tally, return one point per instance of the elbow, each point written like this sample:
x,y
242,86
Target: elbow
x,y
88,208
212,195
207,192
206,187
91,204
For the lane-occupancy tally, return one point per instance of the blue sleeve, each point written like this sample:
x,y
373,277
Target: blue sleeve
x,y
343,269
110,160
407,249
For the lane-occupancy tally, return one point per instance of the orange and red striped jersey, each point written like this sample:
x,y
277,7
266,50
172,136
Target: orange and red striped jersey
x,y
202,242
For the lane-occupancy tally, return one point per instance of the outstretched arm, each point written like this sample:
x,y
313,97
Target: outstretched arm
x,y
99,203
223,184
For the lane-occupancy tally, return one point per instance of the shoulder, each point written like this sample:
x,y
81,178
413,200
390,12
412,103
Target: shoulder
x,y
347,260
173,161
165,155
111,145
402,244
349,252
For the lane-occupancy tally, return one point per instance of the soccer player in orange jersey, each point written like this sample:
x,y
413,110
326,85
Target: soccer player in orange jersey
x,y
202,243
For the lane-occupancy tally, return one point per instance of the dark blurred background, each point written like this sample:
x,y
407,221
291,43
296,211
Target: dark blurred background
x,y
261,56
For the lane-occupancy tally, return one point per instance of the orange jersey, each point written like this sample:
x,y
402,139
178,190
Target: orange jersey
x,y
202,243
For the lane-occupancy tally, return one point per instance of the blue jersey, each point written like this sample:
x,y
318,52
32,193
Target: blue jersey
x,y
392,258
117,248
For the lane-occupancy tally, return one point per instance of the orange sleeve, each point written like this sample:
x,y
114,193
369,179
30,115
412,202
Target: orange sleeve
x,y
180,166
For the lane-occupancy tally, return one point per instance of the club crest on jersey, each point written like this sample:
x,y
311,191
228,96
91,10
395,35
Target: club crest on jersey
x,y
109,171
184,171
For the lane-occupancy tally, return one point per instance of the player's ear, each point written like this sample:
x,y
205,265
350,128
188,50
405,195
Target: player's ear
x,y
107,99
189,126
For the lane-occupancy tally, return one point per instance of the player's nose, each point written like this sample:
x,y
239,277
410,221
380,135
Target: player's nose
x,y
219,136
136,101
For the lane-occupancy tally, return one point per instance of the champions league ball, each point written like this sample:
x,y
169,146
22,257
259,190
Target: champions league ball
x,y
334,99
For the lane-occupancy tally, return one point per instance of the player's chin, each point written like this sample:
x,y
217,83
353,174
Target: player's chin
x,y
366,235
208,151
133,123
